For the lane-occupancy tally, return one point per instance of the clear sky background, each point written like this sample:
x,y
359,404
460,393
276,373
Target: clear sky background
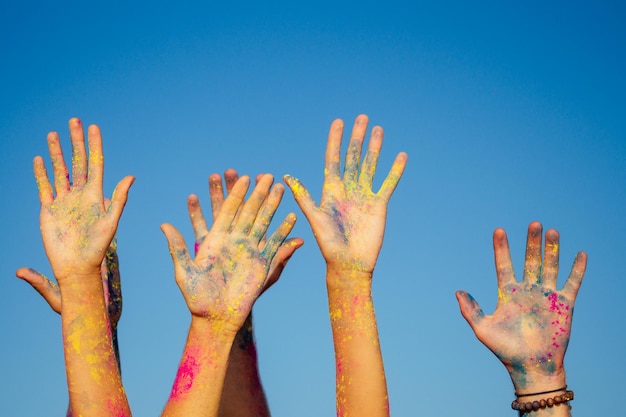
x,y
510,112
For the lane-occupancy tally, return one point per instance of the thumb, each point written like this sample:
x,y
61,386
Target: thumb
x,y
120,196
177,247
284,253
470,309
301,195
46,288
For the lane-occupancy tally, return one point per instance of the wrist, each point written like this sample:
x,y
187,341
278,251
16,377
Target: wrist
x,y
349,280
529,383
73,277
215,330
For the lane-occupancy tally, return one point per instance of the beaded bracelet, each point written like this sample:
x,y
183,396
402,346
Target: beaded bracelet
x,y
541,404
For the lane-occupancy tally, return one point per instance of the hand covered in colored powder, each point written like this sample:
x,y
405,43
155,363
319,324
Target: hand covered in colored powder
x,y
231,267
530,329
199,224
75,226
349,223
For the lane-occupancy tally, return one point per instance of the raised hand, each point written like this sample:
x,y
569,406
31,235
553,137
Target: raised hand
x,y
349,223
530,328
199,224
220,286
242,393
349,226
77,229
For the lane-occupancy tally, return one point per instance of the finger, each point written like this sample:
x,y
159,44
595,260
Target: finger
x,y
278,237
119,198
333,151
283,254
391,182
79,154
551,259
48,289
59,169
532,265
502,255
371,157
258,178
262,221
231,205
217,194
301,195
353,154
178,249
198,223
96,157
572,285
470,309
46,194
251,208
231,177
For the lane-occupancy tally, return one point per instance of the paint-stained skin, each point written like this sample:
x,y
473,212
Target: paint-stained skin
x,y
77,227
349,225
530,328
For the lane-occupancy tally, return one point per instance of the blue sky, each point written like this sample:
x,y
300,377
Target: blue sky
x,y
509,113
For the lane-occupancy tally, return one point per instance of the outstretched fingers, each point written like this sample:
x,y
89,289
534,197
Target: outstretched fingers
x,y
391,182
353,154
572,285
48,289
79,154
502,256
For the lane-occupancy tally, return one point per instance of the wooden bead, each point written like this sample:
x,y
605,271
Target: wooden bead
x,y
535,405
542,403
550,402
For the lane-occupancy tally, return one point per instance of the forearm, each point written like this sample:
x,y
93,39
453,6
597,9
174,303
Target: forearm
x,y
94,383
360,376
243,394
200,378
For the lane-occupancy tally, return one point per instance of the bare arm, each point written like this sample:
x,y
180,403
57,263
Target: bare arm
x,y
220,286
349,225
243,393
76,230
530,329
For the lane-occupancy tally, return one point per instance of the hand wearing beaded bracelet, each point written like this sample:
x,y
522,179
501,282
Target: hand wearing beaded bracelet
x,y
543,403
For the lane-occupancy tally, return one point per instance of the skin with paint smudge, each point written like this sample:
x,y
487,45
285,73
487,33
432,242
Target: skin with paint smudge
x,y
220,286
110,273
349,226
77,229
530,328
242,394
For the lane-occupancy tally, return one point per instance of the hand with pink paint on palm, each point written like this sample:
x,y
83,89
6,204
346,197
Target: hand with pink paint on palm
x,y
530,328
